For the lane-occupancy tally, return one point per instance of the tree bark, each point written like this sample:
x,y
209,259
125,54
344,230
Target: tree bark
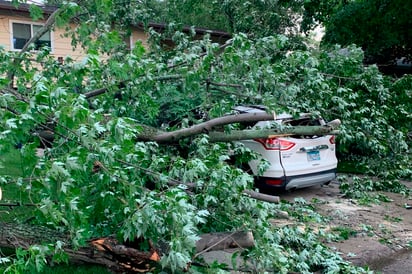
x,y
262,197
152,134
237,135
205,127
109,252
47,27
148,133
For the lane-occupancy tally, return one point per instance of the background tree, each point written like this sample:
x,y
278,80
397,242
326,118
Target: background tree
x,y
380,27
255,18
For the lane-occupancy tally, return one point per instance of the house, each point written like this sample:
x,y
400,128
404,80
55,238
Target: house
x,y
17,27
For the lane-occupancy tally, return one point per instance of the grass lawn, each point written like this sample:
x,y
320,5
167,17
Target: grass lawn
x,y
11,164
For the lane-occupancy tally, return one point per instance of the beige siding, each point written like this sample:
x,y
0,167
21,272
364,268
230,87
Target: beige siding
x,y
139,35
61,46
5,32
6,28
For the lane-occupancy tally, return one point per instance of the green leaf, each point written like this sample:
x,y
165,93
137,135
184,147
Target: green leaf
x,y
36,12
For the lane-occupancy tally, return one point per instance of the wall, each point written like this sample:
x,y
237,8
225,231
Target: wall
x,y
61,46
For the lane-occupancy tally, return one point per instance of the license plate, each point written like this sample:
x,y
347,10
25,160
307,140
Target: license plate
x,y
313,156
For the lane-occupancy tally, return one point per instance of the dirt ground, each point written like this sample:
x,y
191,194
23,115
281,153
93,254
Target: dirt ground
x,y
380,233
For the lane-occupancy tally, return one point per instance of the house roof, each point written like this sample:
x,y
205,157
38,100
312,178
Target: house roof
x,y
24,7
200,31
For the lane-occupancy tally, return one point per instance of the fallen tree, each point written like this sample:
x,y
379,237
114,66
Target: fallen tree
x,y
141,182
119,256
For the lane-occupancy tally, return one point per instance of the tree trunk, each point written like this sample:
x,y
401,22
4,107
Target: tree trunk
x,y
109,252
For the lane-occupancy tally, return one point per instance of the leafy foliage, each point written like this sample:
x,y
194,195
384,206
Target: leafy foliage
x,y
98,180
367,190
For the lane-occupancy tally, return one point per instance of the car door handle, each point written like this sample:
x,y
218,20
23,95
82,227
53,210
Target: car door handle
x,y
308,149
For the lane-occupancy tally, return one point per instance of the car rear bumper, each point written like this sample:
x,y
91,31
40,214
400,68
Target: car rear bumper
x,y
295,182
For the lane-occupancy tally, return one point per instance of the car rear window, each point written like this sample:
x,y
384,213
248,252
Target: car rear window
x,y
307,121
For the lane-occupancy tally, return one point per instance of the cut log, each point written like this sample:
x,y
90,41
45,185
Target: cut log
x,y
225,240
262,197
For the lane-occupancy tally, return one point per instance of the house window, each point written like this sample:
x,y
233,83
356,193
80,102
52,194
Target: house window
x,y
22,32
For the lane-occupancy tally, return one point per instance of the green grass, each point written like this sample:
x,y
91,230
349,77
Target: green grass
x,y
70,269
12,165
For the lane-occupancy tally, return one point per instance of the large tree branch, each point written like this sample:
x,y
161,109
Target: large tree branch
x,y
148,133
237,135
45,28
151,134
121,84
15,93
226,85
191,186
205,127
100,91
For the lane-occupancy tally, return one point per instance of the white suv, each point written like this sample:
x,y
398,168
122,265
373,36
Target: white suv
x,y
294,161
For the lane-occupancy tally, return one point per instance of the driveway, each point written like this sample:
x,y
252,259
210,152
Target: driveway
x,y
382,232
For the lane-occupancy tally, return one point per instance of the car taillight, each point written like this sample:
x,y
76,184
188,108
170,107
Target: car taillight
x,y
275,144
332,139
274,182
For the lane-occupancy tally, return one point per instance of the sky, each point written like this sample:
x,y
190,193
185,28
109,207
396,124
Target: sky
x,y
37,2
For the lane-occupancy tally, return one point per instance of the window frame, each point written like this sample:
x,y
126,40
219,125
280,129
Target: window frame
x,y
31,23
